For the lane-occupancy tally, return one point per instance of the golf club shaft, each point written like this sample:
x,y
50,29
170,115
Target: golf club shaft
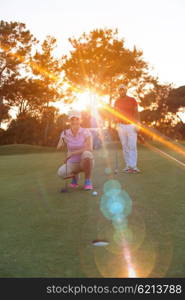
x,y
116,159
66,185
66,173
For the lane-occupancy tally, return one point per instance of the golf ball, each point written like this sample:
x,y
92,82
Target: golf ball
x,y
94,193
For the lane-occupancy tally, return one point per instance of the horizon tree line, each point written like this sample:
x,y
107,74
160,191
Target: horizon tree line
x,y
32,78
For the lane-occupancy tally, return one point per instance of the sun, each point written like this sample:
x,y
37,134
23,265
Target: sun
x,y
86,101
83,101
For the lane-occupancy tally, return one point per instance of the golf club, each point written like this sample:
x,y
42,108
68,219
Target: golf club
x,y
116,161
65,189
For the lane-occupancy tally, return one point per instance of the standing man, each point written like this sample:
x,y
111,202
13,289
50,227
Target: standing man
x,y
127,129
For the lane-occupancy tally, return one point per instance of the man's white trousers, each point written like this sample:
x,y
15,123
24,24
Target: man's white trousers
x,y
128,138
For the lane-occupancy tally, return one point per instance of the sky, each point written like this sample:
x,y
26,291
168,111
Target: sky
x,y
154,26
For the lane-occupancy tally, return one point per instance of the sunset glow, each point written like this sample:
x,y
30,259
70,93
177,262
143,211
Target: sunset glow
x,y
86,101
82,102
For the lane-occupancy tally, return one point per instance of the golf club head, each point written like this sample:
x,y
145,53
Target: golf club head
x,y
64,190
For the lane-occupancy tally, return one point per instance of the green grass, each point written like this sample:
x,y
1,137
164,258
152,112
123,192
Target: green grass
x,y
23,149
44,233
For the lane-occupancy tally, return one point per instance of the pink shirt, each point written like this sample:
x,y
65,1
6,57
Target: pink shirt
x,y
76,142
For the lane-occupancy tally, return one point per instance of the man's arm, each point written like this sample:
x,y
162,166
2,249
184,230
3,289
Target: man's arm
x,y
137,117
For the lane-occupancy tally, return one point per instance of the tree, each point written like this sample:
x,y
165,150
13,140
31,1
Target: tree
x,y
100,61
161,106
25,94
154,103
25,129
15,49
176,104
48,119
176,99
49,70
4,115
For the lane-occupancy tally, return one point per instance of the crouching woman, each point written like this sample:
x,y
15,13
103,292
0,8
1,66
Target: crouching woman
x,y
79,157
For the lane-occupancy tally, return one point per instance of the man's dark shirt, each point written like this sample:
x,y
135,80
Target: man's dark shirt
x,y
127,106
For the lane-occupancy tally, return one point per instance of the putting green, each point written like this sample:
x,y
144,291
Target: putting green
x,y
44,233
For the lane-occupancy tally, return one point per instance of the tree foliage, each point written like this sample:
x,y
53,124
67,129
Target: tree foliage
x,y
161,105
100,61
31,78
16,43
176,99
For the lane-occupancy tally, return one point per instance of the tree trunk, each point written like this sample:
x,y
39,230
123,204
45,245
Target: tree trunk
x,y
46,133
46,129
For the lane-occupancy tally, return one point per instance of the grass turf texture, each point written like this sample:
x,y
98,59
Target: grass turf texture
x,y
44,233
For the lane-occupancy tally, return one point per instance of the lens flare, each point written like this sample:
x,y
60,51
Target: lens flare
x,y
131,272
112,188
123,233
119,222
127,263
116,208
127,256
132,229
146,130
108,171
